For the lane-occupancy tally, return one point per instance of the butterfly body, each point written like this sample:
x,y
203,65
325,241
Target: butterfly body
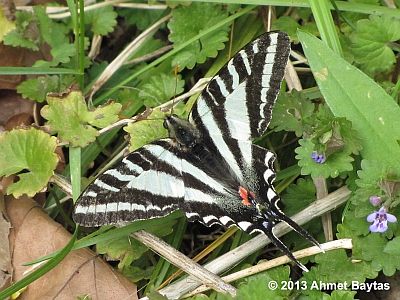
x,y
209,167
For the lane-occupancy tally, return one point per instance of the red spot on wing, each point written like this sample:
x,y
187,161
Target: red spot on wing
x,y
244,194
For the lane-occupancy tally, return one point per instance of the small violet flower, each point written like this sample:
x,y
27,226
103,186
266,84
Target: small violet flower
x,y
318,158
375,200
380,219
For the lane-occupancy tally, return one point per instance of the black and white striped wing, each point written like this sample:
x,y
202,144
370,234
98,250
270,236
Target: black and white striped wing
x,y
237,103
149,183
146,184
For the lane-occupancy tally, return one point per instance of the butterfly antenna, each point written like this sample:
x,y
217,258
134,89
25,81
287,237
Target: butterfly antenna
x,y
268,230
176,71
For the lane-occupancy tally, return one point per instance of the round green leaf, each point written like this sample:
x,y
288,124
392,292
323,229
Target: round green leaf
x,y
30,150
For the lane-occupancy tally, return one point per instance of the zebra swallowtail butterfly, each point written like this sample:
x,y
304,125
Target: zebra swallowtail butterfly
x,y
209,167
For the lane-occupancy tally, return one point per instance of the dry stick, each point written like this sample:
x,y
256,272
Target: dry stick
x,y
226,261
149,56
183,262
57,12
197,88
333,245
322,191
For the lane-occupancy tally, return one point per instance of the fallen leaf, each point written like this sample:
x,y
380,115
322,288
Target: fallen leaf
x,y
81,273
5,256
12,104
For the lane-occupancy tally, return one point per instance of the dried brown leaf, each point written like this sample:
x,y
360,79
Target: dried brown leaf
x,y
5,256
81,273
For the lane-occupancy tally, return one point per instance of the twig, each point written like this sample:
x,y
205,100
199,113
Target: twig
x,y
333,245
300,59
62,183
231,258
149,56
198,87
322,191
56,12
183,262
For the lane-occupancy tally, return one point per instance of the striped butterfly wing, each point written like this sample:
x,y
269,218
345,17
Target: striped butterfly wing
x,y
236,106
158,178
126,192
216,170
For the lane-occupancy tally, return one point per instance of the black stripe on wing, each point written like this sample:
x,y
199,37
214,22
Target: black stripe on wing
x,y
236,106
256,71
146,184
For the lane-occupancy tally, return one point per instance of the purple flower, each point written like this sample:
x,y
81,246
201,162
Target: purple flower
x,y
380,219
318,158
375,200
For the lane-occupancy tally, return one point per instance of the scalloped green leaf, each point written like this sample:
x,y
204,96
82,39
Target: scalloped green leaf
x,y
200,16
160,88
5,25
373,247
73,122
256,287
290,111
335,164
20,36
370,43
146,131
351,94
37,88
32,152
102,20
298,196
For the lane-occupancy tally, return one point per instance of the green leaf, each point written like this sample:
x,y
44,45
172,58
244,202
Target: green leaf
x,y
370,43
393,246
298,196
101,20
200,16
341,295
256,287
5,25
26,34
290,111
142,18
335,266
290,26
373,247
160,88
355,96
70,118
146,131
32,152
126,249
37,88
335,164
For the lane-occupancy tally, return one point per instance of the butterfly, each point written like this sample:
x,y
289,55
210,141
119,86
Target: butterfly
x,y
208,167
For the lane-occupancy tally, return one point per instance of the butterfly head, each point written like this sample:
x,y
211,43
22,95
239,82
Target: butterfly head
x,y
184,133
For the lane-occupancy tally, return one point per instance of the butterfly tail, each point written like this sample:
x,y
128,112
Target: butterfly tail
x,y
296,227
268,230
